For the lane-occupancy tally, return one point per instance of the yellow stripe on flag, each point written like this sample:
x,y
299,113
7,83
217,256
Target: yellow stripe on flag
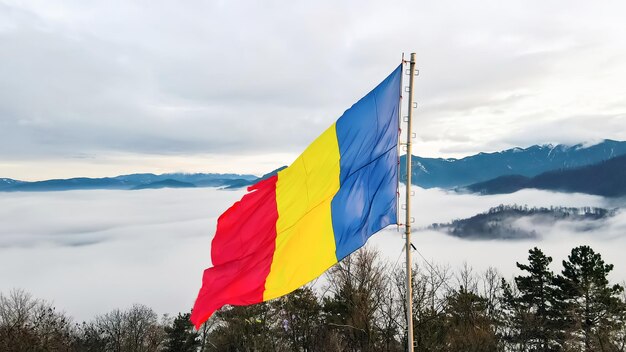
x,y
305,242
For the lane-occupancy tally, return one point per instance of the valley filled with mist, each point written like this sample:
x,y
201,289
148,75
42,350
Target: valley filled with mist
x,y
93,251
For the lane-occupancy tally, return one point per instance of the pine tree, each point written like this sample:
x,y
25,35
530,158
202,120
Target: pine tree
x,y
468,325
594,307
245,328
356,285
180,336
300,317
534,312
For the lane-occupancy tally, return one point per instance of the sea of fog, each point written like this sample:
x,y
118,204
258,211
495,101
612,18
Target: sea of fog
x,y
93,251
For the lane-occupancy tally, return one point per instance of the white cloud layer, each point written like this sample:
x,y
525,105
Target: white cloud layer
x,y
89,85
93,251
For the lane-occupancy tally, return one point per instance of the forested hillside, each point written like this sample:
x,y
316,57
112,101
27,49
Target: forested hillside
x,y
527,162
607,178
500,222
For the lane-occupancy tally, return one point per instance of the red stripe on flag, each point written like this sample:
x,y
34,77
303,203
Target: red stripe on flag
x,y
242,252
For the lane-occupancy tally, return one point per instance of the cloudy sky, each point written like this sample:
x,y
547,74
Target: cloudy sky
x,y
102,88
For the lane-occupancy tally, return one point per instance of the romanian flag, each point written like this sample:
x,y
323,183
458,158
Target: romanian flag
x,y
290,228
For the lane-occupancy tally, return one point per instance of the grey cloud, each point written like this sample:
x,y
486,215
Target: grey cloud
x,y
157,78
571,130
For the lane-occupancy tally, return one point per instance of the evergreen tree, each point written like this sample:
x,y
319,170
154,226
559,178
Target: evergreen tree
x,y
468,325
299,318
180,336
535,322
244,328
593,305
356,287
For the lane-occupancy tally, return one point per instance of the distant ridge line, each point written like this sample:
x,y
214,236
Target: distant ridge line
x,y
527,162
517,163
606,178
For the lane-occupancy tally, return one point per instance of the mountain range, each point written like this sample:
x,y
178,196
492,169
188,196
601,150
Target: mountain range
x,y
136,182
606,178
499,172
527,162
130,182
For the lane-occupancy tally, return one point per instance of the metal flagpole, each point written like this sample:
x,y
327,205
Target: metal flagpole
x,y
407,223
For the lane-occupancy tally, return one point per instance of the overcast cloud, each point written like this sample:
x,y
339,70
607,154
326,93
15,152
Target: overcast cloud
x,y
94,251
101,88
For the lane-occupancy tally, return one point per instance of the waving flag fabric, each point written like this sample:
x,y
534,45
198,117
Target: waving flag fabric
x,y
290,228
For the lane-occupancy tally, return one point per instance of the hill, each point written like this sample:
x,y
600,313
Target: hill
x,y
500,222
528,162
607,178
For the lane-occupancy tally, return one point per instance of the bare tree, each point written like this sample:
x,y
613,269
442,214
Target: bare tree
x,y
16,308
134,330
466,278
142,330
431,285
357,292
29,324
491,290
